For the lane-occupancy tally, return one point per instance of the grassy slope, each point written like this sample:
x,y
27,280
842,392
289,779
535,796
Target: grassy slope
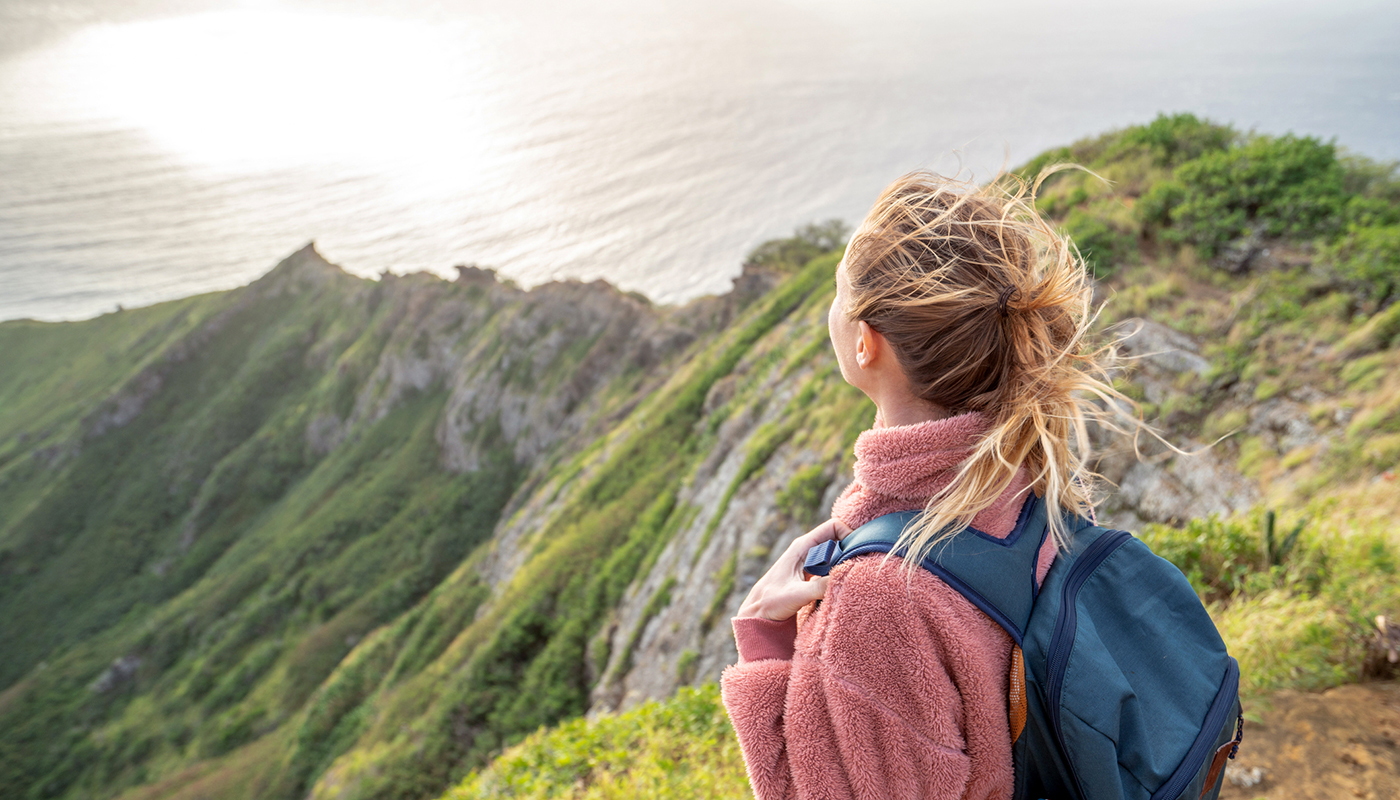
x,y
293,610
207,540
525,661
1302,326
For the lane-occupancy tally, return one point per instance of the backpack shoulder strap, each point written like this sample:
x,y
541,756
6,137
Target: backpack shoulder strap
x,y
996,575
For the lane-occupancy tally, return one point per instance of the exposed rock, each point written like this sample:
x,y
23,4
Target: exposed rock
x,y
1176,489
1244,778
1283,423
1163,348
720,394
1239,255
304,270
120,673
324,432
472,275
749,529
1382,658
530,391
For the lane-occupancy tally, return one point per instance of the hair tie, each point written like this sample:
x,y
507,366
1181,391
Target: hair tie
x,y
1003,298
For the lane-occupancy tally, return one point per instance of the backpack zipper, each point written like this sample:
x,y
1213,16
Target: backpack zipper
x,y
1062,640
1201,749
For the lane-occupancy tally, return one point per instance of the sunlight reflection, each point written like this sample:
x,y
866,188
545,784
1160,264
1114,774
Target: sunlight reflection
x,y
246,90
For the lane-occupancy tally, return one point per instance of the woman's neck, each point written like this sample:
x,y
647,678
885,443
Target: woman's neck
x,y
908,410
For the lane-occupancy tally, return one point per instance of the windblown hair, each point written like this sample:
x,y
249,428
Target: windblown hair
x,y
988,308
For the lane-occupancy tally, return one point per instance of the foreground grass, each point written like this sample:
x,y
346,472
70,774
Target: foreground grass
x,y
683,747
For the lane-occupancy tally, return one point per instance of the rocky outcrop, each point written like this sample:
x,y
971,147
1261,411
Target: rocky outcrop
x,y
709,565
532,375
1162,352
1182,478
121,672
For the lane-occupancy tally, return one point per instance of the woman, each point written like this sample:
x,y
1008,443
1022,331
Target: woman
x,y
962,315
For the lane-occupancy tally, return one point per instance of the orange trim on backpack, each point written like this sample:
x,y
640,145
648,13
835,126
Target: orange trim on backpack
x,y
1221,756
1017,697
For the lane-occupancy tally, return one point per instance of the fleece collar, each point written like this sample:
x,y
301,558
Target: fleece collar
x,y
911,462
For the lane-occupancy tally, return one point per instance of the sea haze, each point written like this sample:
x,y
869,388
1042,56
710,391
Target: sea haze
x,y
153,149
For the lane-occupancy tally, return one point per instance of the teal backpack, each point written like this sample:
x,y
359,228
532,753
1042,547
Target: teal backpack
x,y
1120,683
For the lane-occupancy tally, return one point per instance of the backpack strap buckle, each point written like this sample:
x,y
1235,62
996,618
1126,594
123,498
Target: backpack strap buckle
x,y
822,558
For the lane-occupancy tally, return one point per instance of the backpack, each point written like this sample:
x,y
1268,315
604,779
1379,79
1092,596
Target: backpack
x,y
1120,684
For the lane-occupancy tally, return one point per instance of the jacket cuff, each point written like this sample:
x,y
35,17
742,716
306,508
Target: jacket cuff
x,y
758,638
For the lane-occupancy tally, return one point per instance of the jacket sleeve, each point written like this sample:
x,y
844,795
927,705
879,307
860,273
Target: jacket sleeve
x,y
865,706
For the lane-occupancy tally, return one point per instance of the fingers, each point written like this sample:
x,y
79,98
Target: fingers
x,y
831,529
786,587
823,532
801,544
796,553
802,592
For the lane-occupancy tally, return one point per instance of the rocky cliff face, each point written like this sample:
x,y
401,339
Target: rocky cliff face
x,y
1151,482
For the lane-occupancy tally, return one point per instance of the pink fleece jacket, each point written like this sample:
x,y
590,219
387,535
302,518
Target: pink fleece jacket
x,y
888,688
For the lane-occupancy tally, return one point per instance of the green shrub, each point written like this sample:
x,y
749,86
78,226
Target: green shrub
x,y
1227,423
1383,451
800,498
1365,373
1380,332
724,587
1218,557
1154,209
1294,605
1374,181
1103,244
1033,168
806,243
686,666
657,603
1371,212
1368,259
1283,186
1056,204
1176,138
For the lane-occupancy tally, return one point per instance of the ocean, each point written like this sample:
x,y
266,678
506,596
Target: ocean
x,y
152,149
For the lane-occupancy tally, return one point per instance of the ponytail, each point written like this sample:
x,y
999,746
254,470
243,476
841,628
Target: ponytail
x,y
988,309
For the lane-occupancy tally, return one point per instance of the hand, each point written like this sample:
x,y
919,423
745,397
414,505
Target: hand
x,y
785,587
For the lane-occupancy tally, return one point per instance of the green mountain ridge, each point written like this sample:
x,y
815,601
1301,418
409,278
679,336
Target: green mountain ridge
x,y
323,536
281,484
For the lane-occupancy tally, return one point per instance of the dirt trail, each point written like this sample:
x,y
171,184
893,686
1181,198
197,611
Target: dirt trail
x,y
1341,743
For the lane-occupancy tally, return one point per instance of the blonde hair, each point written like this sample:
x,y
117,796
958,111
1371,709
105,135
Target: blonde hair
x,y
988,308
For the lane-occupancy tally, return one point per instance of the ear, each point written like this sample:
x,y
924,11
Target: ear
x,y
869,342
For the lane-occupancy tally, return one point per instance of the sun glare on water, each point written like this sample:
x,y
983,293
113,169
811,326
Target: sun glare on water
x,y
264,89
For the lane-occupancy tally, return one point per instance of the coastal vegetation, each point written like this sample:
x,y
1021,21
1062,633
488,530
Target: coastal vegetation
x,y
329,537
